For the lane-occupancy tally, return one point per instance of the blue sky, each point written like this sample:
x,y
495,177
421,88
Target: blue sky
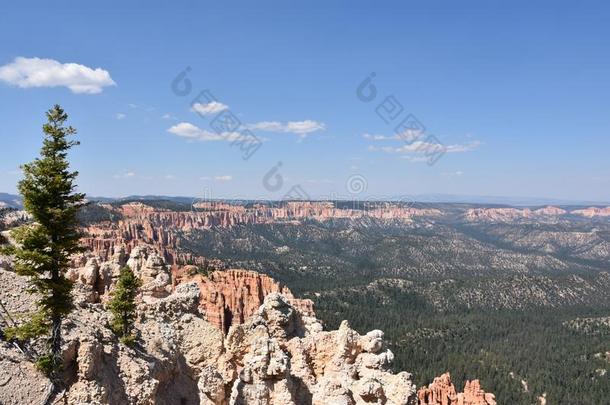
x,y
517,93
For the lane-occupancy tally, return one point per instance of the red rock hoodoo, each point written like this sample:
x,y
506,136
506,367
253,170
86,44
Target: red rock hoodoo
x,y
442,392
230,297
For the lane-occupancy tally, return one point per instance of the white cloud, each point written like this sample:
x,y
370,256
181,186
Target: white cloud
x,y
427,147
415,159
193,132
300,128
418,147
470,146
209,108
169,177
269,126
120,116
406,136
415,141
36,72
379,137
223,178
304,127
452,174
125,175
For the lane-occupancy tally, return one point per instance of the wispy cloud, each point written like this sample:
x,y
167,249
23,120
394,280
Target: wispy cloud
x,y
125,175
372,137
209,108
415,159
300,128
120,116
223,178
413,144
470,146
452,174
37,72
189,131
425,147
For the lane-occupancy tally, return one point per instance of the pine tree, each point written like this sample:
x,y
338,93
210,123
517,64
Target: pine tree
x,y
44,247
123,306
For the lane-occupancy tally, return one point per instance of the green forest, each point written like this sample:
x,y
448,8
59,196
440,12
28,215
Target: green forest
x,y
500,348
445,300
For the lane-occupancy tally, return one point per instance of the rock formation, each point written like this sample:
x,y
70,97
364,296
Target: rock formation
x,y
98,277
229,297
593,212
277,356
442,392
135,223
550,211
226,297
510,214
138,224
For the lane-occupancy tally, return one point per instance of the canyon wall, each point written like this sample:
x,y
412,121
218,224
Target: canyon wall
x,y
135,223
140,223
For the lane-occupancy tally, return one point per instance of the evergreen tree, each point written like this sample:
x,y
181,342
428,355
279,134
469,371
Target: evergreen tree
x,y
44,247
123,306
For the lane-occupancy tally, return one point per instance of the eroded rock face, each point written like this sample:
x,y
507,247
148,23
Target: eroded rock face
x,y
280,358
133,224
511,214
474,394
233,337
98,277
226,297
277,356
442,392
593,212
230,297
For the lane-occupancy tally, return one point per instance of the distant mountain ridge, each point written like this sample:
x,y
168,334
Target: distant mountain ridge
x,y
15,201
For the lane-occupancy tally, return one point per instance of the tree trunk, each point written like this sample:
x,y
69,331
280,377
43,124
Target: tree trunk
x,y
55,317
56,337
57,359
